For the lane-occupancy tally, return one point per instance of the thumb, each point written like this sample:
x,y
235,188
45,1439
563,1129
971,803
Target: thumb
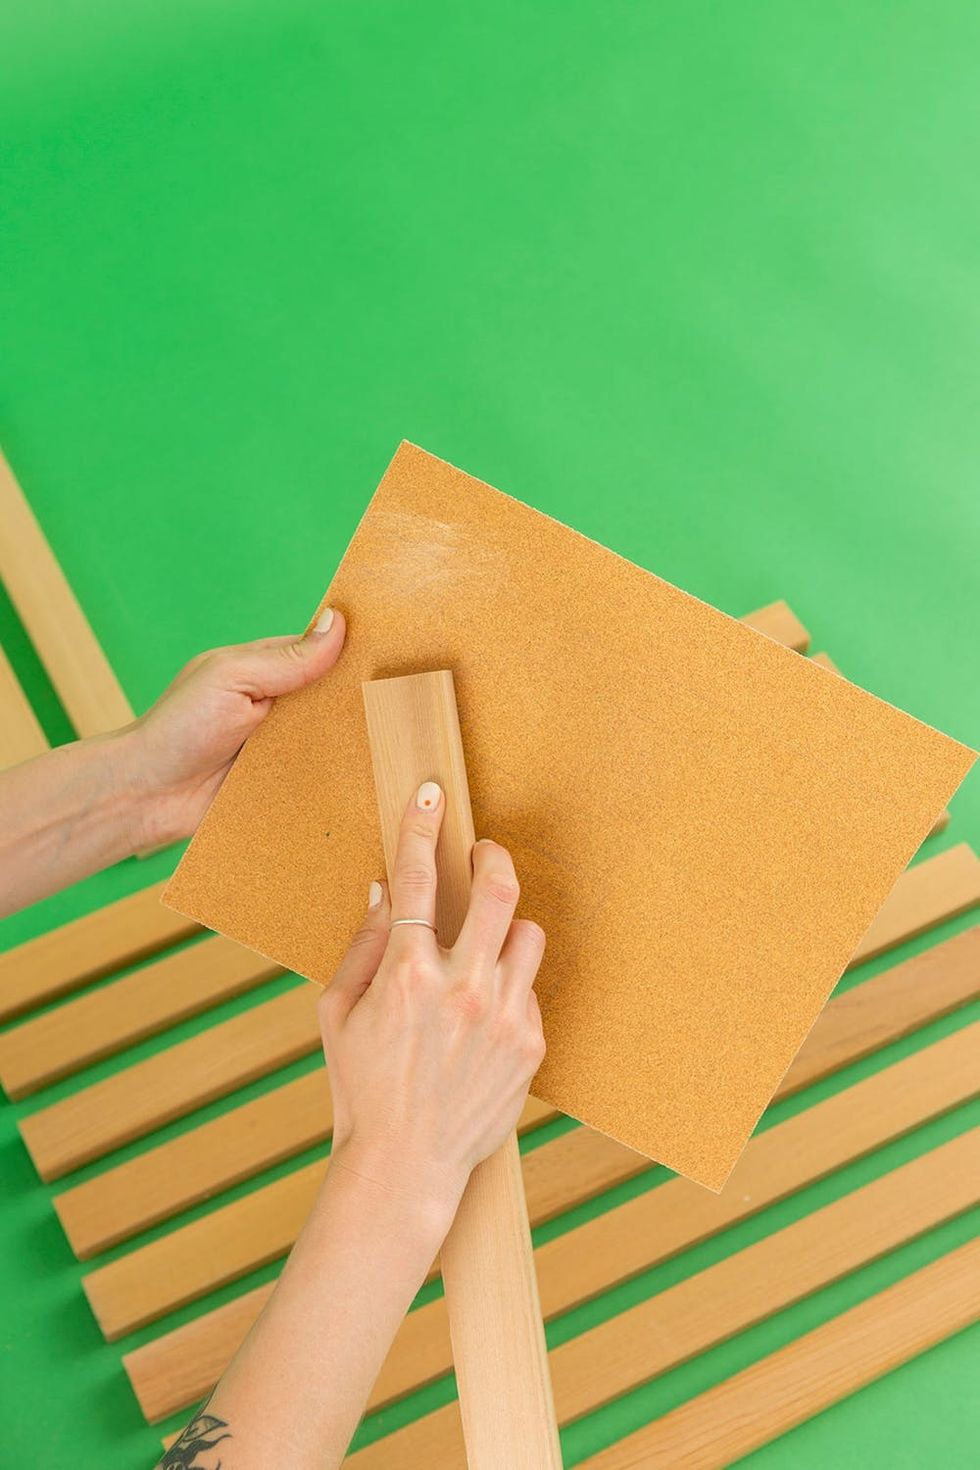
x,y
274,666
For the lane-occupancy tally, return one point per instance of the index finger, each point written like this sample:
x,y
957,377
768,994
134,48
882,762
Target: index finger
x,y
413,876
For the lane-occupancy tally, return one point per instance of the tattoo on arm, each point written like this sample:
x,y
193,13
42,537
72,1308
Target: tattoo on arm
x,y
202,1434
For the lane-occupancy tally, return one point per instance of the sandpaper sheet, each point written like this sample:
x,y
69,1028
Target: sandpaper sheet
x,y
704,822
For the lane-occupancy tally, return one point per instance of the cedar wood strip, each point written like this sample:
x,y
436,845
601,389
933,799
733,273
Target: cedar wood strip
x,y
175,1081
723,1300
180,1366
83,1031
780,1391
247,1233
66,958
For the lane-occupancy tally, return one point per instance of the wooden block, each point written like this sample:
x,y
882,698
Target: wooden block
x,y
49,610
826,662
487,1258
142,1097
82,1031
21,736
725,1299
763,841
182,1365
200,1163
108,939
777,620
150,1093
748,1410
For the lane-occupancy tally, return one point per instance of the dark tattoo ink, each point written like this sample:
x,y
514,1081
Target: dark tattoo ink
x,y
196,1439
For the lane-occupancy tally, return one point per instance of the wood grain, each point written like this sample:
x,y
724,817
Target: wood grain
x,y
182,1365
142,1097
86,949
49,610
725,1299
173,1082
21,736
200,1163
748,1410
487,1258
82,1031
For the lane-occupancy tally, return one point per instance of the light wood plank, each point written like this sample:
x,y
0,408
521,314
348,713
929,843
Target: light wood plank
x,y
176,1368
49,610
86,949
185,1170
725,1299
117,1015
487,1258
801,1380
21,736
777,620
175,1081
260,1227
142,1097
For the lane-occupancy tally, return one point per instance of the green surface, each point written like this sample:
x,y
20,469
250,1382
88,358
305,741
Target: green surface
x,y
700,280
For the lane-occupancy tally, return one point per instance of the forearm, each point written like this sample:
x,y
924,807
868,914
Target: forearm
x,y
297,1387
64,815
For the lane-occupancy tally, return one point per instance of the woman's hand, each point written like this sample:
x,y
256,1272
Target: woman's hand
x,y
178,753
430,1051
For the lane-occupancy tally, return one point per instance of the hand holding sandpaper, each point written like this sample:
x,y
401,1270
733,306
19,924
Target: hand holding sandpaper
x,y
704,822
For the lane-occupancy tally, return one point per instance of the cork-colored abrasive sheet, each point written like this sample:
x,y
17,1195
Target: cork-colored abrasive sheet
x,y
703,821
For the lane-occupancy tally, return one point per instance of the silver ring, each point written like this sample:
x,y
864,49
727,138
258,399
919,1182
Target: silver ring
x,y
395,922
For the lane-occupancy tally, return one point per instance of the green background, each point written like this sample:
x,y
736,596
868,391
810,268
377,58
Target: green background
x,y
699,279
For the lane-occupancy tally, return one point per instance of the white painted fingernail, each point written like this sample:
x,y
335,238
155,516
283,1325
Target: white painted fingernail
x,y
324,621
427,796
375,894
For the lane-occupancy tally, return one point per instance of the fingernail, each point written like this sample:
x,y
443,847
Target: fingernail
x,y
375,894
324,621
427,797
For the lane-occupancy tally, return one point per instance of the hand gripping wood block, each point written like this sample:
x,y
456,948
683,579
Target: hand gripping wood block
x,y
704,822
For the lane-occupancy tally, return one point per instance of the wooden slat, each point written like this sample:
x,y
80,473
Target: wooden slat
x,y
49,610
648,1230
254,1136
248,1233
86,949
21,736
725,1299
932,891
748,1410
826,662
200,1163
777,620
142,1097
173,1082
117,1015
182,1365
262,1226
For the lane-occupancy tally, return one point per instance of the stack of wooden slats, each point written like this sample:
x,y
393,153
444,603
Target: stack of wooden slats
x,y
181,974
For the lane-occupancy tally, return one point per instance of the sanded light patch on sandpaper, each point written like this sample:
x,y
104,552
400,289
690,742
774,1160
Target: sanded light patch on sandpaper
x,y
704,822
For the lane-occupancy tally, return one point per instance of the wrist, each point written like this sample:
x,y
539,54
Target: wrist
x,y
146,801
423,1196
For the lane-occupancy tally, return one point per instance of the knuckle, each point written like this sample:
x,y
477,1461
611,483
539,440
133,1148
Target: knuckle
x,y
416,877
365,937
532,932
293,653
417,827
501,887
472,1000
